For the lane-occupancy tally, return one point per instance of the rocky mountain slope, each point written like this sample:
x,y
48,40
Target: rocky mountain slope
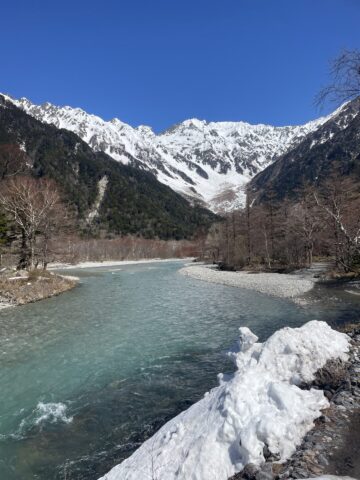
x,y
210,162
106,194
334,147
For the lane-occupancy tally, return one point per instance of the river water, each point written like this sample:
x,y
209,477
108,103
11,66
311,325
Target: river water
x,y
87,376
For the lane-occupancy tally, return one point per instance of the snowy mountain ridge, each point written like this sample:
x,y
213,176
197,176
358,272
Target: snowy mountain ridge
x,y
209,162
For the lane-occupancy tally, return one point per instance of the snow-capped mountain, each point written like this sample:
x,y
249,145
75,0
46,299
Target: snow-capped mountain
x,y
333,148
207,161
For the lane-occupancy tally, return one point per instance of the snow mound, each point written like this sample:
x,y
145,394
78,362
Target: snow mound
x,y
260,404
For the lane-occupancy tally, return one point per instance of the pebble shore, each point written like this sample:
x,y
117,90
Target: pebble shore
x,y
274,284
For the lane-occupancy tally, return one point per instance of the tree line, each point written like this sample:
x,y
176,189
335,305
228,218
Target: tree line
x,y
278,235
38,227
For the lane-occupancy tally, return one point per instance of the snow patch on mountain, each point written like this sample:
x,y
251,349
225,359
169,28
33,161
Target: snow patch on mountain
x,y
102,184
209,162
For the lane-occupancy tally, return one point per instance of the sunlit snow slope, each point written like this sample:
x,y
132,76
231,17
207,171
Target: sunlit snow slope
x,y
207,161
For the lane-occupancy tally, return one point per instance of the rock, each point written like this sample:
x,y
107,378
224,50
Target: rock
x,y
332,375
300,472
286,474
265,473
269,455
266,451
22,273
328,394
264,476
250,471
322,460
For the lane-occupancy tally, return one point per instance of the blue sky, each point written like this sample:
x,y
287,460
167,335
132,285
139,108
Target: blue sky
x,y
158,62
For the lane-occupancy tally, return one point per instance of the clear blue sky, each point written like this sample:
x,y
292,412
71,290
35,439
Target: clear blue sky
x,y
158,62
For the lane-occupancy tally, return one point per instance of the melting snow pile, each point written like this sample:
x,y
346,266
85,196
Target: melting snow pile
x,y
260,404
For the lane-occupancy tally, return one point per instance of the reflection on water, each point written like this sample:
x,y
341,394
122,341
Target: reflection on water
x,y
87,376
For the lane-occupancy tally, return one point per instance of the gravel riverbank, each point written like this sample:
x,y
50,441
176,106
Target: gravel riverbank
x,y
113,263
274,284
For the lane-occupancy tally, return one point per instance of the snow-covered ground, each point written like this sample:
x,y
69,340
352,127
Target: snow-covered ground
x,y
259,405
112,263
274,284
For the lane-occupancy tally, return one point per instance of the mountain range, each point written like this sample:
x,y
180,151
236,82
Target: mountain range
x,y
107,195
176,173
209,163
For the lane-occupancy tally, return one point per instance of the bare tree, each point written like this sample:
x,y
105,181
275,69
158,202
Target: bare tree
x,y
248,227
340,201
35,208
307,221
345,74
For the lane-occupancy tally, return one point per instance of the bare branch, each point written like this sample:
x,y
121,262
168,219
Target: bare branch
x,y
345,74
35,207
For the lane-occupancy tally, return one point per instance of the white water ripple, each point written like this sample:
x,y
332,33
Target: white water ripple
x,y
52,413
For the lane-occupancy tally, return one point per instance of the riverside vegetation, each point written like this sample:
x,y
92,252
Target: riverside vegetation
x,y
27,287
287,234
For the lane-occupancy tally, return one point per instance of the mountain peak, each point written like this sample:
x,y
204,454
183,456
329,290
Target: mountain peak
x,y
194,123
208,161
145,130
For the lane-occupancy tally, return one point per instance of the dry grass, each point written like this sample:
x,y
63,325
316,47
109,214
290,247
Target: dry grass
x,y
338,275
37,286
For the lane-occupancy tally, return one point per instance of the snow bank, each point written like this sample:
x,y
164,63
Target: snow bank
x,y
259,404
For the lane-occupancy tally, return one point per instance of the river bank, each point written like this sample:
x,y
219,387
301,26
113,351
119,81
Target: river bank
x,y
288,286
114,263
27,287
